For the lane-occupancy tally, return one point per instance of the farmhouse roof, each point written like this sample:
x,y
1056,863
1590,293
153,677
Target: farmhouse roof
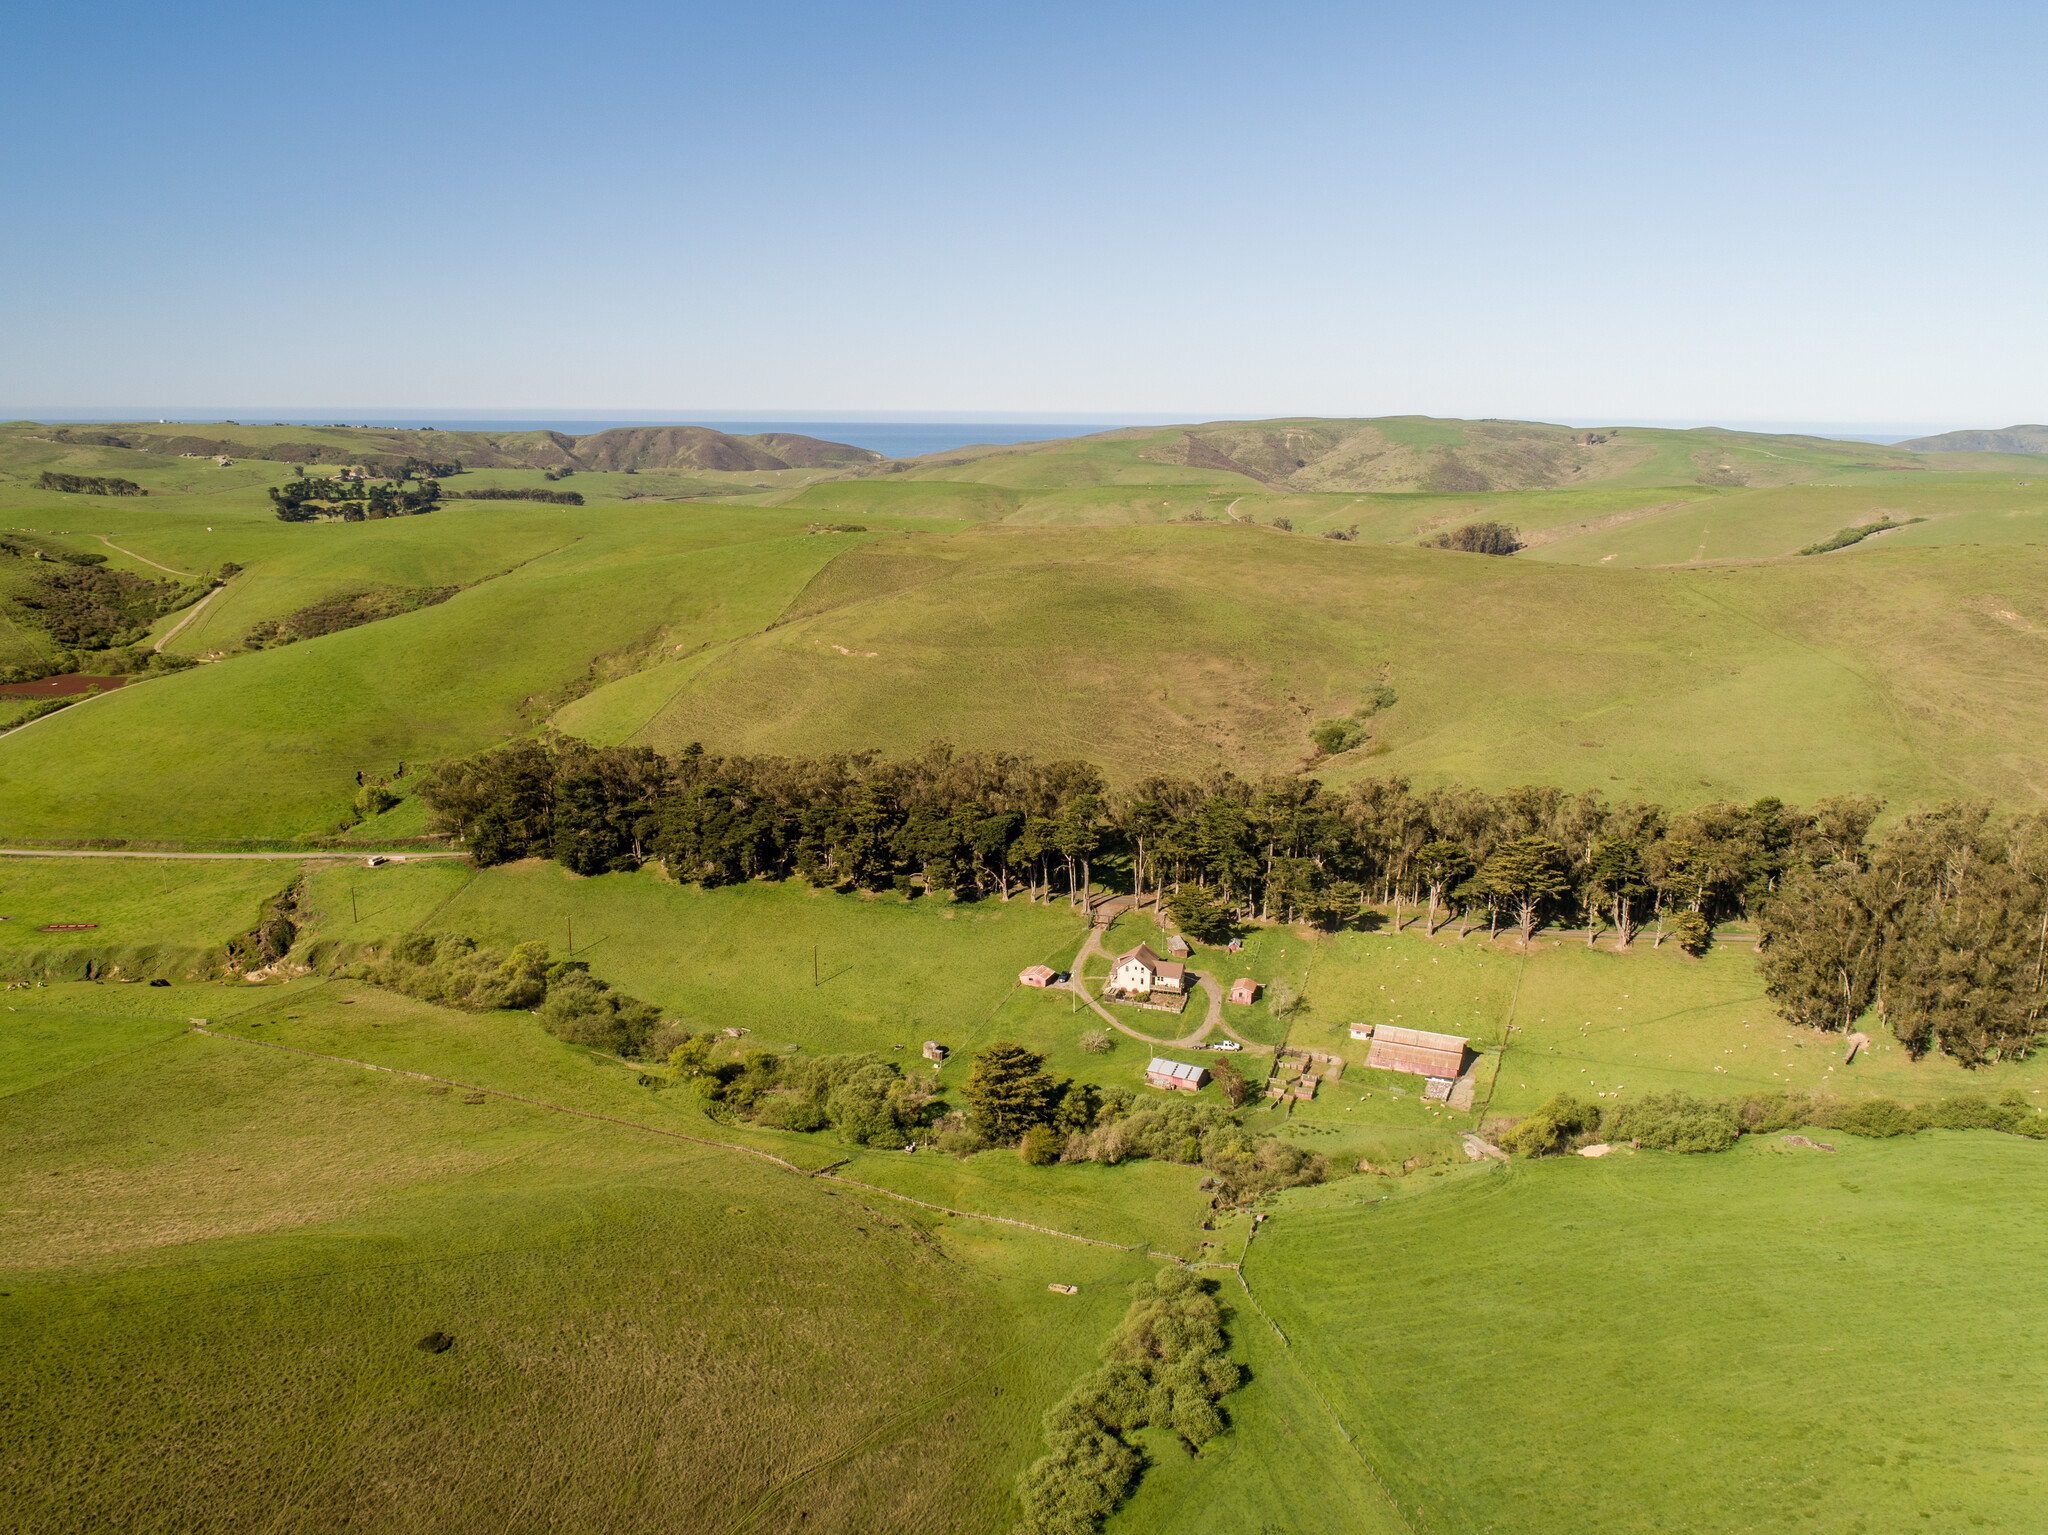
x,y
1143,955
1170,970
1162,1067
1417,1051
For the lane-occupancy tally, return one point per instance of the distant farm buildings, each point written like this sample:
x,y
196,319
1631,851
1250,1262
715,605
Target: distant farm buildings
x,y
1361,1031
934,1051
1244,991
1139,972
1036,975
1177,946
1175,1076
1417,1052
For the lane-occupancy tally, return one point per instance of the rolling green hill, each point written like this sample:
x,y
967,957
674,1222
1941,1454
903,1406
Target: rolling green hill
x,y
1169,649
1120,597
627,448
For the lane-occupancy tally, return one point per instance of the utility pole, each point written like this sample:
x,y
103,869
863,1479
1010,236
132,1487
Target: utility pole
x,y
814,964
353,914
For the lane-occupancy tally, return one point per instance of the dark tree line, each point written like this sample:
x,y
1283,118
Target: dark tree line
x,y
1932,925
353,498
1942,927
89,484
545,497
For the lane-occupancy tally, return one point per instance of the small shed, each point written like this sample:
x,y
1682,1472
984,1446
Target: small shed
x,y
1177,1076
1361,1031
934,1051
1244,991
1035,975
1417,1052
1177,946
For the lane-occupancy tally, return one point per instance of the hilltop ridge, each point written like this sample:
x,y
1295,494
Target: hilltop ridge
x,y
619,448
2011,439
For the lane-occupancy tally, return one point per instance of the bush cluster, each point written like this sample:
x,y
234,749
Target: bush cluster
x,y
1478,538
84,605
344,610
1164,1367
863,1097
574,1005
1679,1122
1329,737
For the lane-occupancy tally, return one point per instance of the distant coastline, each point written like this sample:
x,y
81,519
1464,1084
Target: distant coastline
x,y
892,439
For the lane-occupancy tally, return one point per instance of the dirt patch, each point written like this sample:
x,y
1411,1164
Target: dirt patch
x,y
1597,525
69,686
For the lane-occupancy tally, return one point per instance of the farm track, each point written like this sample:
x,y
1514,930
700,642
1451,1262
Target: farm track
x,y
196,609
185,574
1077,984
677,1135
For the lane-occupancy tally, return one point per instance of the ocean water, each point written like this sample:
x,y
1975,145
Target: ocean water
x,y
891,439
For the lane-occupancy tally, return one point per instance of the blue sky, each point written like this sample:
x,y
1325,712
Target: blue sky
x,y
1740,213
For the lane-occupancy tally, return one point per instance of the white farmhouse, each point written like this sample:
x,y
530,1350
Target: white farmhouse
x,y
1141,972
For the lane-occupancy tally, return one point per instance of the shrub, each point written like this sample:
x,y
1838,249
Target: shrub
x,y
373,799
1333,736
1041,1145
1553,1127
1877,1117
1694,933
1675,1122
1478,538
1098,1042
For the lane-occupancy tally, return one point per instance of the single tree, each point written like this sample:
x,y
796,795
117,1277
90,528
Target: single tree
x,y
1440,865
1524,874
1008,1090
1615,875
1229,1081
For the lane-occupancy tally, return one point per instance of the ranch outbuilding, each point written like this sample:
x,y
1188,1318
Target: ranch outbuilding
x,y
1417,1052
1035,975
1177,1076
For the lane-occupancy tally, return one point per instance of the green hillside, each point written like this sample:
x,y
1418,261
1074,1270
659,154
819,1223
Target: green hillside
x,y
1173,648
1103,597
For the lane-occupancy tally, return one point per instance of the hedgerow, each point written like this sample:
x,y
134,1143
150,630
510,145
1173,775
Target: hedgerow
x,y
1678,1122
1164,1367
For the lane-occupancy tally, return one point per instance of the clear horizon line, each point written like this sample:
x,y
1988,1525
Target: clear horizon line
x,y
206,415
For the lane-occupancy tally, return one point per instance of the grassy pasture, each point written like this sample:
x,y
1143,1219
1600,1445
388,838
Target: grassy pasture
x,y
1164,650
1762,524
1587,1021
134,900
267,744
1685,1344
890,973
221,1257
